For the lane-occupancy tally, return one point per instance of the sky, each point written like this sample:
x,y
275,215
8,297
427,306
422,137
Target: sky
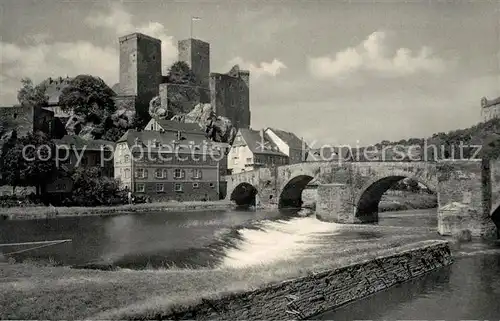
x,y
333,72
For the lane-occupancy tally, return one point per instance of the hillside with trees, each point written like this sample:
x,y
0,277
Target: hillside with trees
x,y
484,134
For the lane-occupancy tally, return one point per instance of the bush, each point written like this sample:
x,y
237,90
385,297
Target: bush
x,y
19,200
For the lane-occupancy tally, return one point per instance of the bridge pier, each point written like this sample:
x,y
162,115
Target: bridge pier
x,y
464,195
334,203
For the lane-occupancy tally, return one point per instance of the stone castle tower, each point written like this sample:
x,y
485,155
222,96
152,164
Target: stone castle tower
x,y
196,54
140,70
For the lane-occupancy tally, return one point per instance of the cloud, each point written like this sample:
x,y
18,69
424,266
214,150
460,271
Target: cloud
x,y
38,58
374,55
120,22
41,60
272,68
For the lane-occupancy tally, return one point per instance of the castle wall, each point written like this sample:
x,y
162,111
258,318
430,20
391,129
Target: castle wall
x,y
196,95
490,112
125,102
490,108
25,119
230,97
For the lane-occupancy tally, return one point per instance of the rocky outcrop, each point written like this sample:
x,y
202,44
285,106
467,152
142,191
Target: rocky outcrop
x,y
89,127
155,109
218,128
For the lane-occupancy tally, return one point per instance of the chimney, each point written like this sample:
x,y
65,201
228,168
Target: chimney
x,y
178,135
136,141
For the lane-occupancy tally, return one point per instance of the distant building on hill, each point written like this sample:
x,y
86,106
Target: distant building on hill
x,y
490,108
54,88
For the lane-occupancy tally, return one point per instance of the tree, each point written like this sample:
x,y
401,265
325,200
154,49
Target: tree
x,y
181,98
88,96
413,185
10,161
399,186
91,188
37,164
181,73
31,95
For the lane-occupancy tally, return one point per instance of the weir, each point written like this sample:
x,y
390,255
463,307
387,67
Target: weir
x,y
306,297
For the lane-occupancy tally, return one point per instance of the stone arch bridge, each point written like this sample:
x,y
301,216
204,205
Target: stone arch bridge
x,y
350,192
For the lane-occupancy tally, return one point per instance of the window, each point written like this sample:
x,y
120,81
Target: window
x,y
160,188
178,187
141,173
212,185
139,188
196,185
196,173
179,173
161,173
126,158
249,159
127,173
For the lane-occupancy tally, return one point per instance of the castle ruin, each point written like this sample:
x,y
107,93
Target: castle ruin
x,y
141,79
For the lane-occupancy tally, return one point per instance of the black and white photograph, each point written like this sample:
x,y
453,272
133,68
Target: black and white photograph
x,y
250,160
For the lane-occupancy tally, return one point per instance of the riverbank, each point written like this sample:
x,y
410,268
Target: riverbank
x,y
407,201
43,212
28,291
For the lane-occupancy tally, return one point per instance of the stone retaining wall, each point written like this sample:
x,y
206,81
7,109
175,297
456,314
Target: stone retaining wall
x,y
308,296
34,213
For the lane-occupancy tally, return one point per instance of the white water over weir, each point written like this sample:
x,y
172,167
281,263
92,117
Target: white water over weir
x,y
276,241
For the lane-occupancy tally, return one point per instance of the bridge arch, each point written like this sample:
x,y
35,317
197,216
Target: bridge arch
x,y
368,198
495,216
244,194
291,193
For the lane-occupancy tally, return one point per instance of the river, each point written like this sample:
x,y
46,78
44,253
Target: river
x,y
469,289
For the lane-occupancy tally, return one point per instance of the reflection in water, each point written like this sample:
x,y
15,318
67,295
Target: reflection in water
x,y
192,239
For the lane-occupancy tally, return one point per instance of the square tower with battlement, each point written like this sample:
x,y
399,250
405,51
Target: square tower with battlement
x,y
196,54
230,96
140,69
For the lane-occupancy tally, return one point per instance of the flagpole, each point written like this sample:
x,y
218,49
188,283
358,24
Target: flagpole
x,y
193,18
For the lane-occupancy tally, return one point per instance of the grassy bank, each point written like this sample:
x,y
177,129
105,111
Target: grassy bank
x,y
26,213
41,292
407,201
